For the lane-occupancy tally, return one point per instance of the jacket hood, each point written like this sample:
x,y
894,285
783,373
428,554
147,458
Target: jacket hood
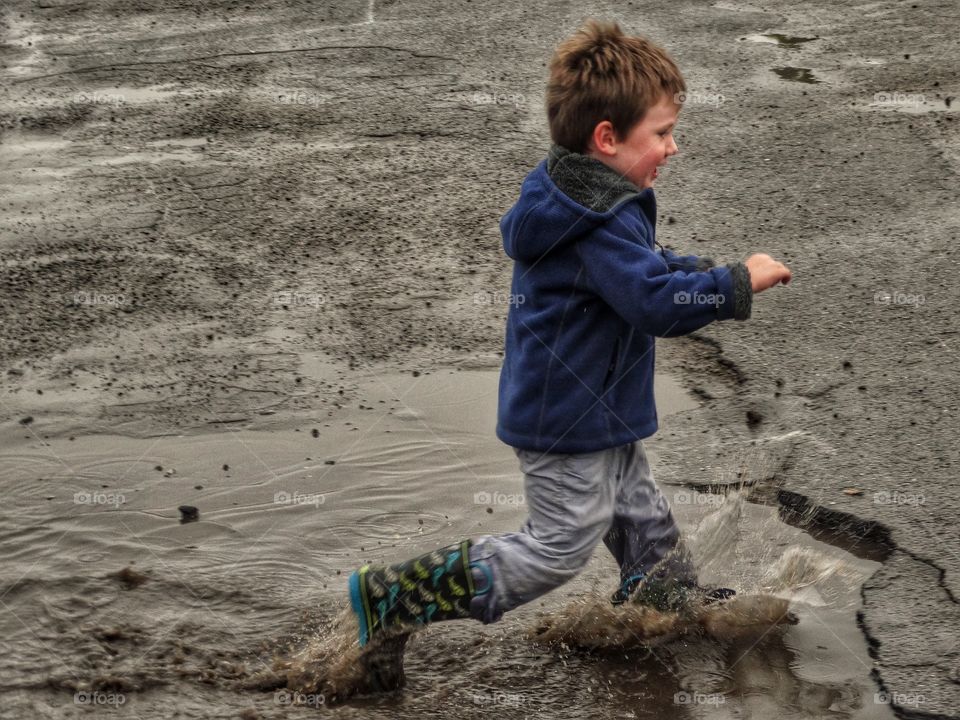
x,y
565,197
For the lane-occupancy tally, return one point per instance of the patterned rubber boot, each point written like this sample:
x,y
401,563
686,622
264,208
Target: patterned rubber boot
x,y
400,598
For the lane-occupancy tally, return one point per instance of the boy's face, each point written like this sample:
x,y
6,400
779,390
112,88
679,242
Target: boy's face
x,y
648,144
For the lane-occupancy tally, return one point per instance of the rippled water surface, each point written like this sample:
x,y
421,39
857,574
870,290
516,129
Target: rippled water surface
x,y
110,603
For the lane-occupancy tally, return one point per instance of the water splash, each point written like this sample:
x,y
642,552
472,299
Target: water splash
x,y
767,584
332,666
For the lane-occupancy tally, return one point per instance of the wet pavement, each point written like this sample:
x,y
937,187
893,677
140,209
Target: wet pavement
x,y
215,220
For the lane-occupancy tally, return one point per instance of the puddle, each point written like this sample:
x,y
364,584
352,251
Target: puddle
x,y
796,74
124,155
912,103
136,95
20,35
286,513
791,41
19,146
739,7
46,156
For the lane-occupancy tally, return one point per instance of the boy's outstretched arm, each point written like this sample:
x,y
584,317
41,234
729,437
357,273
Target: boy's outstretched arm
x,y
638,284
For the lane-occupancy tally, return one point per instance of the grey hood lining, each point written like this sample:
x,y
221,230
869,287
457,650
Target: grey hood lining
x,y
587,181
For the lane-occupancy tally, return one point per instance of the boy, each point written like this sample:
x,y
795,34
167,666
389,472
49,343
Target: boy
x,y
576,388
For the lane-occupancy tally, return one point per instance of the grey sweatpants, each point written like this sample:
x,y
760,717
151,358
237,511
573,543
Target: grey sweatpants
x,y
574,501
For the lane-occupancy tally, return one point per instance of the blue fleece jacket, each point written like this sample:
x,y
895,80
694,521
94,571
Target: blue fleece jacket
x,y
591,291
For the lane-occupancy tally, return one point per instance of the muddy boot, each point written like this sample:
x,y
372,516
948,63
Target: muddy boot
x,y
383,663
403,597
668,595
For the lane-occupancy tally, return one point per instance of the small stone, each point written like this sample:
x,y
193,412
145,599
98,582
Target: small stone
x,y
26,420
188,513
225,467
852,491
130,578
315,433
329,462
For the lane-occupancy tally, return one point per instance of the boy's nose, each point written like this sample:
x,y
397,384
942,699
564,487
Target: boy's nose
x,y
672,149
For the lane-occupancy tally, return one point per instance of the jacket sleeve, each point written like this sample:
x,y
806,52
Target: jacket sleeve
x,y
640,286
687,263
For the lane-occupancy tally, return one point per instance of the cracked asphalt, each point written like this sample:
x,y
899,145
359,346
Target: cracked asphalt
x,y
195,197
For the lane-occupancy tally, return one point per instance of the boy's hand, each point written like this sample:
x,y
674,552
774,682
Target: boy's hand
x,y
765,272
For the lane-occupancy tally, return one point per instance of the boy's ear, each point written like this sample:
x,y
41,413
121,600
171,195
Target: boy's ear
x,y
603,140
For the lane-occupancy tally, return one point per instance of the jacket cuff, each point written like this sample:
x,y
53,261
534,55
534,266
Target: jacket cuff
x,y
704,263
742,291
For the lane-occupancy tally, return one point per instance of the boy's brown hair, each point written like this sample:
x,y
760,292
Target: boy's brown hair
x,y
601,74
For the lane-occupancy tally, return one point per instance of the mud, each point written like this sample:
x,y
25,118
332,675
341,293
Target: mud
x,y
216,220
